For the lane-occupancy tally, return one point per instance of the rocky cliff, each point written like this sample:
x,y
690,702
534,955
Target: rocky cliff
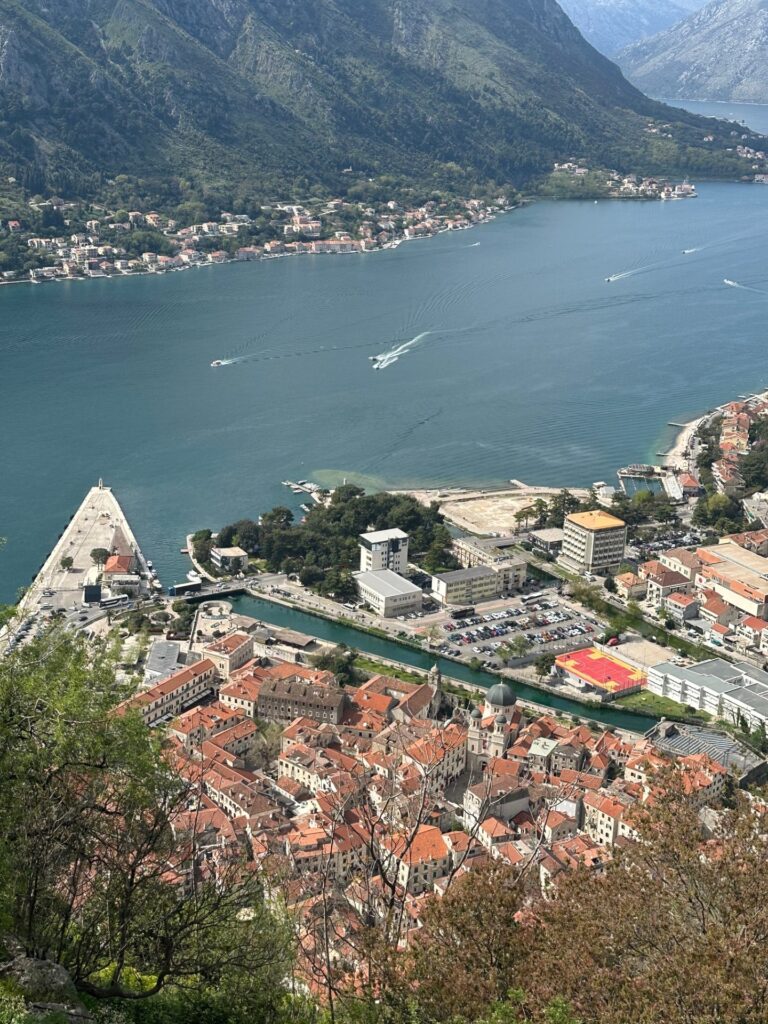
x,y
718,53
612,25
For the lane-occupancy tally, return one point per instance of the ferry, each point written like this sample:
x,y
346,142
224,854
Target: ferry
x,y
217,362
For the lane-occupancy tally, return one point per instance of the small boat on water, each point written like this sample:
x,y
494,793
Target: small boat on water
x,y
217,362
194,577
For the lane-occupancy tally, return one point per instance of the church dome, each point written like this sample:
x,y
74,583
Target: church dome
x,y
501,719
500,696
476,713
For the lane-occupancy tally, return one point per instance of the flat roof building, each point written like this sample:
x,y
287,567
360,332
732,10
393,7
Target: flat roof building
x,y
162,660
731,692
593,542
229,559
496,552
387,593
384,549
468,586
549,540
608,675
739,576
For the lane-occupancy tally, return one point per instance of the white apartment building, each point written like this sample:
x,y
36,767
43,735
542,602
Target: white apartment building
x,y
384,549
593,542
387,593
724,690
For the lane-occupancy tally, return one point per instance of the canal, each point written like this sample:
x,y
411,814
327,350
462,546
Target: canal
x,y
292,618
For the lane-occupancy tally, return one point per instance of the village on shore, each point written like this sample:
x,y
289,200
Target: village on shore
x,y
82,242
103,245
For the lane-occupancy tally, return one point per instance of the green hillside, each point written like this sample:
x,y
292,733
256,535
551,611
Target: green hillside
x,y
228,99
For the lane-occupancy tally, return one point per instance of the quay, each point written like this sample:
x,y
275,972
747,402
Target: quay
x,y
99,522
305,487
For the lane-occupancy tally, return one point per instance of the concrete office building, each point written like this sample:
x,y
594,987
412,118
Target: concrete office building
x,y
384,549
387,593
593,542
468,586
496,552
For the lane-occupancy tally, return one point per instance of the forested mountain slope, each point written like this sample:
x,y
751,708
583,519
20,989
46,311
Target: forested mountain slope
x,y
236,96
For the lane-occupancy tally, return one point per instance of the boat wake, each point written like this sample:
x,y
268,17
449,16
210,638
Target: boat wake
x,y
687,252
620,277
473,246
385,359
743,287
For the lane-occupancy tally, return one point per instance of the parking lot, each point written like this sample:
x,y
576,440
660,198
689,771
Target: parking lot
x,y
548,625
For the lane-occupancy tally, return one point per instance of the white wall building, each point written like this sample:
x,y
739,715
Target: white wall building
x,y
468,586
724,690
384,549
387,593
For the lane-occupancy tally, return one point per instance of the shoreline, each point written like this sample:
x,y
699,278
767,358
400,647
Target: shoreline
x,y
265,258
492,509
678,455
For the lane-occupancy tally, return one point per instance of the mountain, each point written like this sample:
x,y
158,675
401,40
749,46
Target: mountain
x,y
172,100
718,53
612,25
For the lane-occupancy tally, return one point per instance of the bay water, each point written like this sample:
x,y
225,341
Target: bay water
x,y
508,355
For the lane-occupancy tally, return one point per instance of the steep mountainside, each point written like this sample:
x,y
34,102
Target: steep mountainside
x,y
235,97
612,25
719,53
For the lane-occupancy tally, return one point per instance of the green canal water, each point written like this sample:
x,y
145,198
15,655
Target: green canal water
x,y
291,618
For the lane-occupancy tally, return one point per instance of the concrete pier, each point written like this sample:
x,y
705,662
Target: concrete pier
x,y
99,522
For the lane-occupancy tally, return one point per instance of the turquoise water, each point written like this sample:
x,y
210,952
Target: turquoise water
x,y
290,618
534,367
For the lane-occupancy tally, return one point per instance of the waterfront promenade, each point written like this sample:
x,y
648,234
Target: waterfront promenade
x,y
99,522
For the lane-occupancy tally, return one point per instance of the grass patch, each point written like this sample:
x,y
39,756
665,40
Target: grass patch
x,y
379,668
660,707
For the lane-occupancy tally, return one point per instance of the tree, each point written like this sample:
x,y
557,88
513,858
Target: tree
x,y
340,661
280,518
66,562
610,584
686,920
470,949
97,870
432,635
519,646
544,665
522,517
99,556
202,542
